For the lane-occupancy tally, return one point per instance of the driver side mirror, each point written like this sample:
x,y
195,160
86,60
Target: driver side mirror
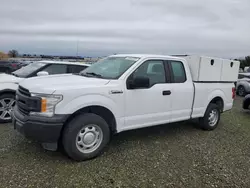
x,y
42,73
139,82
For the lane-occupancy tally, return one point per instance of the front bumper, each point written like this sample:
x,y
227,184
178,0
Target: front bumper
x,y
41,129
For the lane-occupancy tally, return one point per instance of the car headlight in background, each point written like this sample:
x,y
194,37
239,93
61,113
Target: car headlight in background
x,y
48,103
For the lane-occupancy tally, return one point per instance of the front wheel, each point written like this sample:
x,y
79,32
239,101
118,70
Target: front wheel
x,y
85,137
7,102
211,118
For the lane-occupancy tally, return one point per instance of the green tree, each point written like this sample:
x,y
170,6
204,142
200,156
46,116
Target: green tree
x,y
13,53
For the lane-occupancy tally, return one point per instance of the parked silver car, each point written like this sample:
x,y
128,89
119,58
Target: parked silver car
x,y
243,84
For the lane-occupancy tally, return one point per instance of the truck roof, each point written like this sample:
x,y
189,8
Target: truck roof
x,y
179,57
146,56
64,62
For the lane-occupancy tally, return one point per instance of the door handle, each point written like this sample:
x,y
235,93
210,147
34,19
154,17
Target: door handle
x,y
168,92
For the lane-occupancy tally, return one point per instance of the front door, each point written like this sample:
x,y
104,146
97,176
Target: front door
x,y
148,106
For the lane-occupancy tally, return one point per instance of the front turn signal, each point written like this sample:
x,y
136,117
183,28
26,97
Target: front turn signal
x,y
43,105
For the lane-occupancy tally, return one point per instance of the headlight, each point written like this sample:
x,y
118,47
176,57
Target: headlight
x,y
48,103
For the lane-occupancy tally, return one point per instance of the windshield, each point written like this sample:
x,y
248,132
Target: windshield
x,y
243,76
29,69
110,67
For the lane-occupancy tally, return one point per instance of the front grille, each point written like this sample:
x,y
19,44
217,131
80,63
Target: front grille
x,y
25,102
24,91
23,111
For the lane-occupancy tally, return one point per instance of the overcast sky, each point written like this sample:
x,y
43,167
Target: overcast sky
x,y
103,27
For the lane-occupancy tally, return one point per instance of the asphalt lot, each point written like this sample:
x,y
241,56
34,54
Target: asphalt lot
x,y
175,155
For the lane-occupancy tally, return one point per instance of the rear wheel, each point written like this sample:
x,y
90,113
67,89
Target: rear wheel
x,y
241,91
85,137
7,102
211,118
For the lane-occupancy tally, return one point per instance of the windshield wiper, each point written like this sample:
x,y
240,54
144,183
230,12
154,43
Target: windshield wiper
x,y
92,74
14,74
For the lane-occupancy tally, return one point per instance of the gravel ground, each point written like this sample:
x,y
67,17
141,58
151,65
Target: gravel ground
x,y
175,155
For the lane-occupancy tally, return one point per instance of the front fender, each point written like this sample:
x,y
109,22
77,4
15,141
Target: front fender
x,y
8,87
70,107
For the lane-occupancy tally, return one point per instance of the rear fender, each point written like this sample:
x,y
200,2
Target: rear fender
x,y
214,94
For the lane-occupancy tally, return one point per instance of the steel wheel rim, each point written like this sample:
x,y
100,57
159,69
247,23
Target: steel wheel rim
x,y
6,108
213,117
241,91
89,138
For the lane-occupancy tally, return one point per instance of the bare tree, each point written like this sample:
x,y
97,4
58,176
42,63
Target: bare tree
x,y
13,53
245,62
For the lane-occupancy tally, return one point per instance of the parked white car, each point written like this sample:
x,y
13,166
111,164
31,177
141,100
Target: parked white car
x,y
120,93
9,82
243,84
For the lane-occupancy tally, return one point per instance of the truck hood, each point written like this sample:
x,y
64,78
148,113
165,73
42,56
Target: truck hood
x,y
7,78
50,84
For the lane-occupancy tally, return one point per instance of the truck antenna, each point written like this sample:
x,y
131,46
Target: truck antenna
x,y
77,47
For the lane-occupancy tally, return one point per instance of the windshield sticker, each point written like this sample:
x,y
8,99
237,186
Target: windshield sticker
x,y
132,58
39,64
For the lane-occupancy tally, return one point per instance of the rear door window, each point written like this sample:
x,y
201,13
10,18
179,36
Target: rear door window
x,y
178,71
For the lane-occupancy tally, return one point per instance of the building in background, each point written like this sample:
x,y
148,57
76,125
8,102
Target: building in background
x,y
3,56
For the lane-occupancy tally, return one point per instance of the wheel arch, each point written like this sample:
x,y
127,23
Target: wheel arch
x,y
102,111
217,97
218,101
7,91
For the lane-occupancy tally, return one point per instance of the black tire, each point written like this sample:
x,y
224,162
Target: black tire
x,y
246,105
6,96
204,121
72,129
241,91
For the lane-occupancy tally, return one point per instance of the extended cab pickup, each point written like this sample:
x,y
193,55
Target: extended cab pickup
x,y
119,93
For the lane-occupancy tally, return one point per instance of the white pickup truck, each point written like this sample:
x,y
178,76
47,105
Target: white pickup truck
x,y
119,93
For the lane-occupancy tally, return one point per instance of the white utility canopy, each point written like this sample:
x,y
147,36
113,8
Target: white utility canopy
x,y
209,69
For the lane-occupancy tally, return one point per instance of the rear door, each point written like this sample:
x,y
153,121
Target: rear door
x,y
182,91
